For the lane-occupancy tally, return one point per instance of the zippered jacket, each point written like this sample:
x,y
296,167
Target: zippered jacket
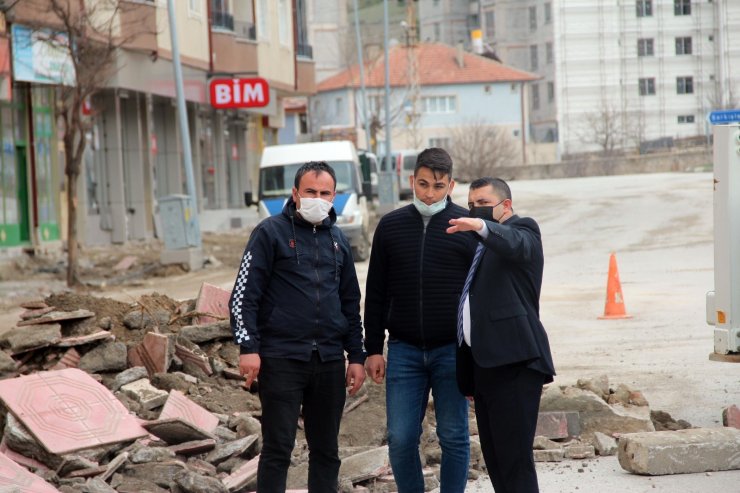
x,y
415,278
296,291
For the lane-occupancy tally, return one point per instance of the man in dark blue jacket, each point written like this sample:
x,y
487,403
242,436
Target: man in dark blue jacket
x,y
504,355
295,310
414,281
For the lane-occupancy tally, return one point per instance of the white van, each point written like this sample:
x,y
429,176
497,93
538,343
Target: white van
x,y
277,172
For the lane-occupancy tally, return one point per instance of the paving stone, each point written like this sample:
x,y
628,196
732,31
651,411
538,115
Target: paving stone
x,y
67,410
242,475
179,406
107,357
34,337
194,447
731,416
194,357
229,449
58,316
86,339
153,353
16,478
212,299
143,392
365,465
175,431
683,451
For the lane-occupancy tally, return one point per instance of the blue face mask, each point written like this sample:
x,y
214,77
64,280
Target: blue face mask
x,y
430,210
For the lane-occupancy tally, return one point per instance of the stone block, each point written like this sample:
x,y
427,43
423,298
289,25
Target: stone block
x,y
145,393
365,465
23,339
604,444
579,452
229,449
684,451
552,455
731,416
110,356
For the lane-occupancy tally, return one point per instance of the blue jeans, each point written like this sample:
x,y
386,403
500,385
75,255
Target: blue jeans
x,y
411,373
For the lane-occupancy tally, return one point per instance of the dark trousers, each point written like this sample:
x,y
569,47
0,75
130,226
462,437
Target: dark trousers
x,y
285,386
507,400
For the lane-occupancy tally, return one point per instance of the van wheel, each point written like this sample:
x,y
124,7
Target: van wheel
x,y
361,252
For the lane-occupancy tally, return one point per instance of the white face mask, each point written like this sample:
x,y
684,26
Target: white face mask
x,y
314,210
432,209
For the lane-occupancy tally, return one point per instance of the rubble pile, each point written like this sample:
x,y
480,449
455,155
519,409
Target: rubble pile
x,y
102,396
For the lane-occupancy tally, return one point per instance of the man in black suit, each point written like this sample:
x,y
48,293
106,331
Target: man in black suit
x,y
504,355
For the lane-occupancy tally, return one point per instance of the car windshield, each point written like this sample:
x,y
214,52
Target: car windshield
x,y
277,181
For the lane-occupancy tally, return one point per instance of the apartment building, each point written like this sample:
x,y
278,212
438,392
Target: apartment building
x,y
134,155
616,74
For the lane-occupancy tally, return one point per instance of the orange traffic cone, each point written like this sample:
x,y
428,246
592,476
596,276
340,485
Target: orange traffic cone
x,y
614,300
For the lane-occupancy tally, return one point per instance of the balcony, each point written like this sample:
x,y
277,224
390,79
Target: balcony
x,y
222,20
245,30
232,53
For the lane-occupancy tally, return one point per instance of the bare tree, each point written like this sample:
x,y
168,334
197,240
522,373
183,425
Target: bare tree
x,y
478,148
605,128
91,33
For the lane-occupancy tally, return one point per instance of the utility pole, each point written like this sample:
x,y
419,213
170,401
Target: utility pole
x,y
387,178
412,64
361,64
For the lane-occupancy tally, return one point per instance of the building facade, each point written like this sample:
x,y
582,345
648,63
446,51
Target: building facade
x,y
134,155
648,70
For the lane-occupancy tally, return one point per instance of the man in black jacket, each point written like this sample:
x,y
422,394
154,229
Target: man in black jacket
x,y
504,352
295,310
414,281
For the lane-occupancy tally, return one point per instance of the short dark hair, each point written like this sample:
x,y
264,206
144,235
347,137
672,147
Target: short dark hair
x,y
500,187
317,167
436,159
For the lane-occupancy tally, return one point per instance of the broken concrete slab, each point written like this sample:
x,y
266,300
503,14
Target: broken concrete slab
x,y
32,337
16,478
146,394
162,474
594,413
208,332
175,431
191,482
214,301
194,357
682,451
58,316
579,451
179,406
550,455
67,410
542,443
36,313
229,449
194,447
110,356
127,376
365,465
604,444
33,304
86,339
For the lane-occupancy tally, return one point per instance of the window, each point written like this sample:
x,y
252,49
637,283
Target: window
x,y
647,86
443,142
685,118
682,7
548,13
645,47
534,90
548,53
438,104
644,8
532,18
263,19
550,92
684,85
683,46
533,63
437,31
490,24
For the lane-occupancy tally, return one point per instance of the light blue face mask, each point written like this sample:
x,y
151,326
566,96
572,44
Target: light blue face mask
x,y
430,210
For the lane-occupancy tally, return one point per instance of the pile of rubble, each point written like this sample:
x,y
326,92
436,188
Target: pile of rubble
x,y
103,396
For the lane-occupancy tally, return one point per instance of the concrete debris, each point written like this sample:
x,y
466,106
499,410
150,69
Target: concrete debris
x,y
178,418
731,416
683,451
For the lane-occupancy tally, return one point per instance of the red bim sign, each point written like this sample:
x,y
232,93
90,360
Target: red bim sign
x,y
239,93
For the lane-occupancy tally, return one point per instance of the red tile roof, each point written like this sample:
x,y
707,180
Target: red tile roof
x,y
437,64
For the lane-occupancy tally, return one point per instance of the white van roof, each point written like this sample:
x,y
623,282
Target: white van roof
x,y
332,150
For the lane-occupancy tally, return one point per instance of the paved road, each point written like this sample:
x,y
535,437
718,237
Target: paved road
x,y
660,227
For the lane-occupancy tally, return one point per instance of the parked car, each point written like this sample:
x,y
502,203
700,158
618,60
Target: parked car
x,y
404,162
369,168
